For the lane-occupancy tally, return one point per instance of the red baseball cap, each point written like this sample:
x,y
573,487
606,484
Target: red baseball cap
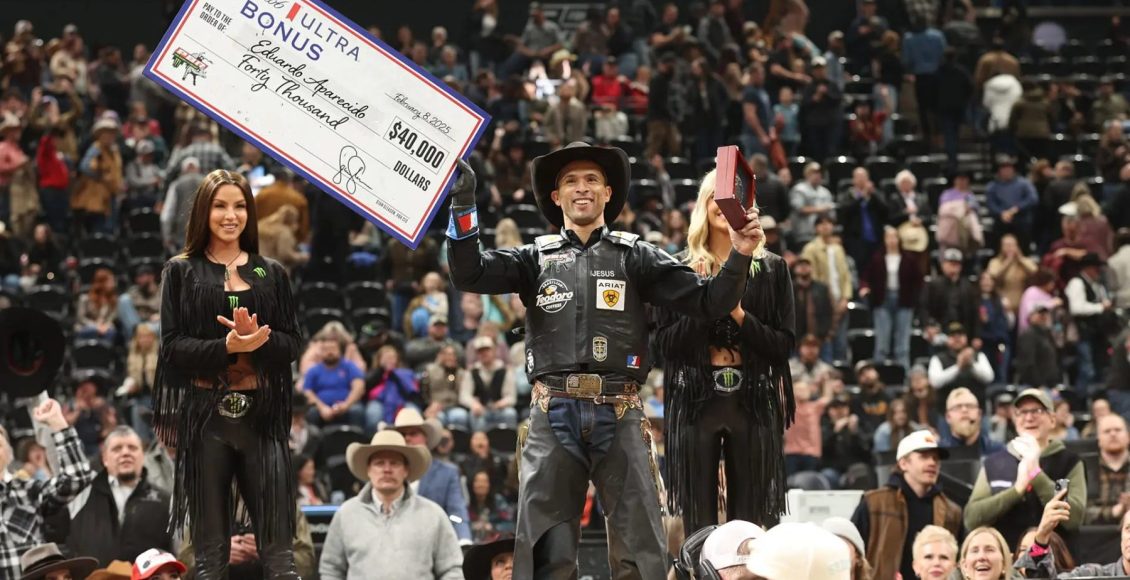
x,y
151,561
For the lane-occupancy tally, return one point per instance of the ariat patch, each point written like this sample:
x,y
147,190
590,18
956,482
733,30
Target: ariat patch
x,y
610,294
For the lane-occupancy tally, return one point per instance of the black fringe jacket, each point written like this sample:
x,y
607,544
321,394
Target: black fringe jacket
x,y
767,339
193,348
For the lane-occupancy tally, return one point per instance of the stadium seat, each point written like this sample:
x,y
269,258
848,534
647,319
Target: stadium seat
x,y
902,125
1060,145
320,295
859,316
641,168
366,295
143,221
934,187
460,439
503,440
679,168
142,246
536,147
919,347
98,246
923,167
861,343
881,168
362,272
314,320
642,190
340,476
378,317
891,373
1089,144
630,146
94,355
335,439
686,191
52,300
796,167
1088,65
87,267
525,215
840,167
1084,165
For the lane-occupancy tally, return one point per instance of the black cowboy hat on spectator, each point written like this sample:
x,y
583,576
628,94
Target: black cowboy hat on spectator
x,y
31,351
477,560
102,380
1091,259
43,559
546,170
1003,160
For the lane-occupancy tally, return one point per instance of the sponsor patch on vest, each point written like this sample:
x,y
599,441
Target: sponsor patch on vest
x,y
553,295
610,294
599,349
633,361
554,263
529,361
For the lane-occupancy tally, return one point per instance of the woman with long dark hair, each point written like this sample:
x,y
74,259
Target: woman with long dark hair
x,y
729,389
223,387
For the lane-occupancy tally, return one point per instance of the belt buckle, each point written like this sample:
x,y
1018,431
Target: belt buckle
x,y
727,380
234,405
585,386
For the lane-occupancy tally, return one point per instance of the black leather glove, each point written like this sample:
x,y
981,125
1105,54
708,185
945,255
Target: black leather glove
x,y
464,221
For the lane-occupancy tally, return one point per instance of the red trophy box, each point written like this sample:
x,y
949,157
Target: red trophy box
x,y
735,188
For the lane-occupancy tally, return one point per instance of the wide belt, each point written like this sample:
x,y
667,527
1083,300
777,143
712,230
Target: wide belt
x,y
588,385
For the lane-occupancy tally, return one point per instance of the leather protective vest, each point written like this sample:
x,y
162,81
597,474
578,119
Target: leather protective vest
x,y
586,315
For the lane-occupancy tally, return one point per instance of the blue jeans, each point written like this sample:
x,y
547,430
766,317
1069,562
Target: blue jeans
x,y
492,418
455,416
1086,363
354,416
371,414
836,348
128,316
893,321
56,206
999,358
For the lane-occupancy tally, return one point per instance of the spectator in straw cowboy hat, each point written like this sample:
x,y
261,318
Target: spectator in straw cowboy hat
x,y
117,570
361,537
46,562
440,483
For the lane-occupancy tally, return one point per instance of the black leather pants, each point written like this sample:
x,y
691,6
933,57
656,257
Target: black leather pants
x,y
721,432
232,448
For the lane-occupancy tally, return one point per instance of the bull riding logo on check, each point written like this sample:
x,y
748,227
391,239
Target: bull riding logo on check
x,y
194,63
260,272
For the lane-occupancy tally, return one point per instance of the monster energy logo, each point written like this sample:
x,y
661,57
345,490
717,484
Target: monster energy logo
x,y
260,272
727,380
233,302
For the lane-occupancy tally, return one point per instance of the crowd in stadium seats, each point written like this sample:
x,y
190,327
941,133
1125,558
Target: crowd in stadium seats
x,y
952,197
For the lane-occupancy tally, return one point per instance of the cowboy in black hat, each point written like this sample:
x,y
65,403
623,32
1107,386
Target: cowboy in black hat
x,y
587,354
490,561
1089,303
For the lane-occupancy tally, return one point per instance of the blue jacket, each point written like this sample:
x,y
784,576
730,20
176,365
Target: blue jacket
x,y
923,52
441,485
1002,195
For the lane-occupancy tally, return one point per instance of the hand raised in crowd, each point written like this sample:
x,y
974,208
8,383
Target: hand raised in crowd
x,y
1029,451
1056,512
50,413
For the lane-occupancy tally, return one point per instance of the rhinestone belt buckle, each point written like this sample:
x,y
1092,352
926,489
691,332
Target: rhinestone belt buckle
x,y
727,380
585,386
234,405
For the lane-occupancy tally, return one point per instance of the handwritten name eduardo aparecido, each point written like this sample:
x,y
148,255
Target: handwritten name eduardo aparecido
x,y
295,86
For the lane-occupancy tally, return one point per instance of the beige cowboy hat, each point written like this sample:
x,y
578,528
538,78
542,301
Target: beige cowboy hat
x,y
105,124
43,559
117,570
357,454
409,417
9,122
914,238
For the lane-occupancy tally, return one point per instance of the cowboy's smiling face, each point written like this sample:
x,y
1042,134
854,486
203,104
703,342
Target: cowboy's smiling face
x,y
582,192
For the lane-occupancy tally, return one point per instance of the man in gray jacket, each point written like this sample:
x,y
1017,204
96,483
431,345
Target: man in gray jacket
x,y
388,531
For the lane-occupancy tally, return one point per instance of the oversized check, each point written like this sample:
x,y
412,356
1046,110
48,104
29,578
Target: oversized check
x,y
319,94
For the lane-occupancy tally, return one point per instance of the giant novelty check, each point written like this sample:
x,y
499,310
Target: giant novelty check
x,y
319,94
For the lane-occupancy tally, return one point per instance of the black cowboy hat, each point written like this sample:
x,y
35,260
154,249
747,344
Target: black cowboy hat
x,y
612,160
476,562
31,351
1091,259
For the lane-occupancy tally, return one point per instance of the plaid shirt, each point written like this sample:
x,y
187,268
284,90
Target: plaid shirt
x,y
210,155
23,501
922,10
1111,485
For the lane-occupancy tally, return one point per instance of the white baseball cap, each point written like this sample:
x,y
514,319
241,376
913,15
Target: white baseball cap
x,y
919,441
723,545
152,560
794,550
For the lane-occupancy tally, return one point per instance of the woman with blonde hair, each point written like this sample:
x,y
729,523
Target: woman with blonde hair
x,y
985,556
935,553
506,234
1093,225
729,392
278,237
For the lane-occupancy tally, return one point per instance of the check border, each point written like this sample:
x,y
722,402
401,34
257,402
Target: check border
x,y
411,239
